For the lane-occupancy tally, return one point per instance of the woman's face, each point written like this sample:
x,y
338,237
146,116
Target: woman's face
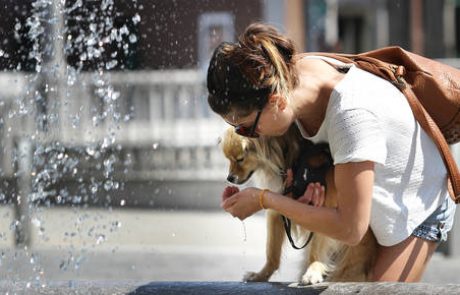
x,y
274,120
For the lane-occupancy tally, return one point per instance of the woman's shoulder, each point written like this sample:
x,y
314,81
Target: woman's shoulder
x,y
360,89
311,65
317,57
361,81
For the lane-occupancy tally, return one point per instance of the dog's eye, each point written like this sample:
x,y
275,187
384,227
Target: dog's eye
x,y
239,160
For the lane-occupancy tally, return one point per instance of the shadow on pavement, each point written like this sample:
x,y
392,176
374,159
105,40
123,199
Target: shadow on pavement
x,y
199,288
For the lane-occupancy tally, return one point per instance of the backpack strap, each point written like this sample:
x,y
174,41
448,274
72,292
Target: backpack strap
x,y
394,74
434,132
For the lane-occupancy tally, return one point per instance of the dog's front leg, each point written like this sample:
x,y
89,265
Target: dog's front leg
x,y
318,260
355,262
275,238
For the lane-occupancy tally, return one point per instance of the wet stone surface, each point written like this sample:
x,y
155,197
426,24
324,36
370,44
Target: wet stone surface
x,y
196,288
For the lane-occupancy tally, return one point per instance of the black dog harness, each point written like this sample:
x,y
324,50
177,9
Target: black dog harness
x,y
304,173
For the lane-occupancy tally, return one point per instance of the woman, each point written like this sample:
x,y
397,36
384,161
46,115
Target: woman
x,y
388,173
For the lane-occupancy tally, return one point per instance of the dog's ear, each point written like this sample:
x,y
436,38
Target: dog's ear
x,y
248,145
245,145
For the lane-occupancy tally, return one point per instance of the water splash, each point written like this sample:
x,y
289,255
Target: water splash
x,y
89,156
245,235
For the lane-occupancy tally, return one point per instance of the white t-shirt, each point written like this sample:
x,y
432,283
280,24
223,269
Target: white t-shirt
x,y
368,119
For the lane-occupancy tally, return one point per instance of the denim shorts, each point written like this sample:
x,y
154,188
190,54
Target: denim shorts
x,y
438,224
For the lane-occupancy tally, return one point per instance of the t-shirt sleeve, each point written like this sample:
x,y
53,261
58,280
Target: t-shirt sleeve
x,y
355,135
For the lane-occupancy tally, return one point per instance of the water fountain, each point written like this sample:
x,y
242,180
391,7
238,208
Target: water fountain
x,y
73,137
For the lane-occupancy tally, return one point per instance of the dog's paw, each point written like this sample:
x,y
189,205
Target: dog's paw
x,y
255,277
314,274
310,278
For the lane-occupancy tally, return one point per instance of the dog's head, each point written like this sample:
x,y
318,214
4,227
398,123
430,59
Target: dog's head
x,y
271,156
268,156
241,152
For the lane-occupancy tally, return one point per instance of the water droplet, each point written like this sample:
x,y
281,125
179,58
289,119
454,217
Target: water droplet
x,y
124,30
122,202
155,145
94,188
245,236
91,41
75,121
108,185
111,64
116,225
90,151
83,56
136,18
100,238
36,222
63,265
132,38
93,27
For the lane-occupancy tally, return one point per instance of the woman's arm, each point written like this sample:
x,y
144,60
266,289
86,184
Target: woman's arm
x,y
347,223
350,220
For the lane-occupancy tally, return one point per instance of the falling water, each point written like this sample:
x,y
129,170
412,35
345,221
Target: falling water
x,y
245,236
53,124
64,132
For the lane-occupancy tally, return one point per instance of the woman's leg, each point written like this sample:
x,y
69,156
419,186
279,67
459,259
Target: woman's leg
x,y
404,262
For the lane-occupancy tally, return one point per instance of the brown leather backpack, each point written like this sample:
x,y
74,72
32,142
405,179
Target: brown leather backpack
x,y
432,90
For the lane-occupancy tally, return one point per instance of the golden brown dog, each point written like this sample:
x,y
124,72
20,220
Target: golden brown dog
x,y
267,159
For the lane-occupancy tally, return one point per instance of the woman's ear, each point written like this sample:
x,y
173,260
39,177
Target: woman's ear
x,y
277,100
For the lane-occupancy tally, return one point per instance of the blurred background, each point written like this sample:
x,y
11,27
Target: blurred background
x,y
110,167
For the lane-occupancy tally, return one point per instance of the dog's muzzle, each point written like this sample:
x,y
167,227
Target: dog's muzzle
x,y
236,180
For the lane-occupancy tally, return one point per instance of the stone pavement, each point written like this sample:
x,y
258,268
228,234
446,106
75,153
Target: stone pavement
x,y
222,288
73,246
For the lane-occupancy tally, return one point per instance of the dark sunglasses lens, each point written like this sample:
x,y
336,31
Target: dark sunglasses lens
x,y
243,131
240,130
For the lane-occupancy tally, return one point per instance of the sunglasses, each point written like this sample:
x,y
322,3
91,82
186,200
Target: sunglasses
x,y
249,132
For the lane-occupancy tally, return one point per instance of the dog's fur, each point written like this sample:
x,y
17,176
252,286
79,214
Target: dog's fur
x,y
267,158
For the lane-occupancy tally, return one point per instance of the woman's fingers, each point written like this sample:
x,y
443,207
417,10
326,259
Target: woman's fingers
x,y
318,195
308,195
289,178
228,203
314,195
242,204
229,191
322,196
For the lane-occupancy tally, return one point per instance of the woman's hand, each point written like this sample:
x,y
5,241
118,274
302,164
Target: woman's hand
x,y
315,194
241,204
228,192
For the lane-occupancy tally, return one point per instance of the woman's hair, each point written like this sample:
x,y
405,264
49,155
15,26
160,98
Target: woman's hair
x,y
242,75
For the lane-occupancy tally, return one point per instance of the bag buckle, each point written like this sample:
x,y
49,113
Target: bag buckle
x,y
399,72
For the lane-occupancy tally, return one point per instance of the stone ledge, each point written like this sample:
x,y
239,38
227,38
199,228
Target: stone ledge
x,y
221,288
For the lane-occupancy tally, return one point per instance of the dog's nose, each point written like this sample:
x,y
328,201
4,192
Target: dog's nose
x,y
231,178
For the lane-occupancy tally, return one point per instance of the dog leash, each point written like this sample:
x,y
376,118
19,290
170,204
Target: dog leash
x,y
287,228
304,174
